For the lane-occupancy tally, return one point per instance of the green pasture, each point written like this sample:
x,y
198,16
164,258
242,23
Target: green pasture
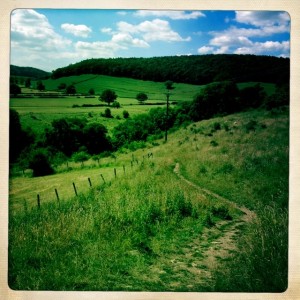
x,y
124,87
38,113
147,229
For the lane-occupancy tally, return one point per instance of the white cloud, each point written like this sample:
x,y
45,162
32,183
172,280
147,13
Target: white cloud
x,y
155,30
30,29
77,30
174,15
222,50
34,41
125,39
230,40
262,18
205,50
262,47
106,30
260,24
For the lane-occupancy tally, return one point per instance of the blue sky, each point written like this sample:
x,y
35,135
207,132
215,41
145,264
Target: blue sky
x,y
53,38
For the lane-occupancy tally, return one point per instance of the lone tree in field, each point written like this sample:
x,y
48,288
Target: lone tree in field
x,y
71,90
108,96
91,92
141,97
40,86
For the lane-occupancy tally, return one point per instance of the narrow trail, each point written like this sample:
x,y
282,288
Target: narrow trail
x,y
248,214
200,256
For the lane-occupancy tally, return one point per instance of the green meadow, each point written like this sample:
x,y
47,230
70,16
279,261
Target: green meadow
x,y
151,228
37,112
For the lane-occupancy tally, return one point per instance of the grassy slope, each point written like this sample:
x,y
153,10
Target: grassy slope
x,y
149,230
124,87
37,113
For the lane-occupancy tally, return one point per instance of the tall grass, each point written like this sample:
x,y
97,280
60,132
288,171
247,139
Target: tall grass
x,y
248,164
262,262
107,239
126,235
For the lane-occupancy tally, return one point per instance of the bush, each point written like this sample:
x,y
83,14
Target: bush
x,y
125,114
107,113
40,164
80,157
251,126
116,104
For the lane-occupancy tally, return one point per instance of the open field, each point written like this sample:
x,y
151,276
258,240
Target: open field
x,y
124,87
150,230
38,113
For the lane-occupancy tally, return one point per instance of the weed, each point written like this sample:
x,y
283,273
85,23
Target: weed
x,y
214,143
221,212
251,126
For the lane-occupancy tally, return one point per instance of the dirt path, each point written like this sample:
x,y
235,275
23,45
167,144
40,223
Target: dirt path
x,y
248,214
193,265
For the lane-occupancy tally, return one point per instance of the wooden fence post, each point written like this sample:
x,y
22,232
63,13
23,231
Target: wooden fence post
x,y
131,164
56,193
124,169
89,179
75,189
38,201
102,178
115,171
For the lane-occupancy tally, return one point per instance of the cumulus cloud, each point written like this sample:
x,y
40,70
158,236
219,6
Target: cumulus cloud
x,y
155,30
243,40
205,50
33,39
174,15
31,29
262,47
77,30
262,18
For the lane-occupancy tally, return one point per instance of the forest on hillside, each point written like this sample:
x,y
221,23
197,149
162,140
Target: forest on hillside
x,y
194,69
29,72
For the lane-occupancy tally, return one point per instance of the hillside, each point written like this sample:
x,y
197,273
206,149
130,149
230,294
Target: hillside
x,y
28,72
185,219
197,69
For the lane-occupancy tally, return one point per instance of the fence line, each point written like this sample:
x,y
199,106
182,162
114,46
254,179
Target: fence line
x,y
149,155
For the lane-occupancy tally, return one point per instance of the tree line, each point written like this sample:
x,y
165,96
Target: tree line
x,y
194,69
78,139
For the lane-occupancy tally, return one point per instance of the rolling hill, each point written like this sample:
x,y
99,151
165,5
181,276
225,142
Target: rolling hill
x,y
196,69
30,72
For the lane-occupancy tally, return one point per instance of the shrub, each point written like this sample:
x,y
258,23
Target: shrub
x,y
251,126
125,114
107,113
80,157
221,212
116,104
216,126
40,164
214,143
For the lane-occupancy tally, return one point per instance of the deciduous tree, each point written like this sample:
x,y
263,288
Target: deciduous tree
x,y
108,96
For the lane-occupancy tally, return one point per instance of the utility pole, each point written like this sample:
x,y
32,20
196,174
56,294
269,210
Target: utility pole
x,y
169,86
167,116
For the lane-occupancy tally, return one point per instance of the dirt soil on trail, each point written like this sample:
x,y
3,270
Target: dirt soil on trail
x,y
189,267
